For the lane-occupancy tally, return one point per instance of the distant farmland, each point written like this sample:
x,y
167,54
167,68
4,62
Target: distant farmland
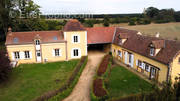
x,y
167,30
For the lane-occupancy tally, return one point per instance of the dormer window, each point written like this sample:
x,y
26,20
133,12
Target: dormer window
x,y
152,51
122,38
37,42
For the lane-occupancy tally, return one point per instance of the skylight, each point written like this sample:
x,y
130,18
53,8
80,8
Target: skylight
x,y
55,38
15,40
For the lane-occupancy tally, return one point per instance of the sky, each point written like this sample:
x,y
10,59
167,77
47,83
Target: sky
x,y
103,6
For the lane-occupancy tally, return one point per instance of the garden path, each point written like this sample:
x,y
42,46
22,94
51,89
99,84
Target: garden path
x,y
81,92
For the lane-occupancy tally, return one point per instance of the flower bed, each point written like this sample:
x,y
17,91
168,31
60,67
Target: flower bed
x,y
98,89
103,66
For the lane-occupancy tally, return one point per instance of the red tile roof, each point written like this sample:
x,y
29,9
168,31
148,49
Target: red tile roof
x,y
28,37
140,44
73,25
98,35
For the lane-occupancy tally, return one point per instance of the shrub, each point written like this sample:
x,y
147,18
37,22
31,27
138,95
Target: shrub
x,y
103,66
98,89
5,67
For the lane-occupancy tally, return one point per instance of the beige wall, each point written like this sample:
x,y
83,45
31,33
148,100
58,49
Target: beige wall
x,y
47,51
22,48
82,45
175,67
163,68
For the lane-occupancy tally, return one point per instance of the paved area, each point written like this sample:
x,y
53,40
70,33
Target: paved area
x,y
81,92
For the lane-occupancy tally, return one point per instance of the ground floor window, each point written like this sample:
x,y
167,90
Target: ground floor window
x,y
38,53
16,55
119,53
57,52
27,54
147,67
75,52
139,63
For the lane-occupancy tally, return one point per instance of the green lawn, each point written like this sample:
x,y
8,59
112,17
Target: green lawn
x,y
123,83
29,81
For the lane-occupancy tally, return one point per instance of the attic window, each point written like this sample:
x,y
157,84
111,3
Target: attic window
x,y
15,40
37,42
55,38
152,51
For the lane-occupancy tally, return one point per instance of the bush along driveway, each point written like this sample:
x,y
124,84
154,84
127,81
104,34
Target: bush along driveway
x,y
116,82
29,81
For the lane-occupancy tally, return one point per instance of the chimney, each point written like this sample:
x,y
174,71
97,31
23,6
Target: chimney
x,y
9,31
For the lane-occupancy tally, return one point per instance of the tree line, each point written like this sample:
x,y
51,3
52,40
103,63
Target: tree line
x,y
25,15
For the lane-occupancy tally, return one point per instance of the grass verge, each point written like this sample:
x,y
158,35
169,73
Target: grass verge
x,y
66,93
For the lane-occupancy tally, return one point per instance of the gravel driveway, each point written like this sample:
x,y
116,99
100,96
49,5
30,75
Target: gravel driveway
x,y
81,92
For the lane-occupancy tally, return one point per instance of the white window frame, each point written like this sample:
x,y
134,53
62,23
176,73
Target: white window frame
x,y
17,55
54,52
152,51
149,67
72,53
37,42
120,53
78,38
27,53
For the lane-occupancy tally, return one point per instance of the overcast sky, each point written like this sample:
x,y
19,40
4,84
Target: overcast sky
x,y
103,6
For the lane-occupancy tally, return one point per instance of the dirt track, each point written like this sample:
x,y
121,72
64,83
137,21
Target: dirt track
x,y
81,92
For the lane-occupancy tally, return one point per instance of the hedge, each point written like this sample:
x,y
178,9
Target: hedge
x,y
67,85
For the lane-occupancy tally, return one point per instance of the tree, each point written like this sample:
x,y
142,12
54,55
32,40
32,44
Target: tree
x,y
165,15
152,12
5,67
106,21
89,23
132,21
6,6
177,16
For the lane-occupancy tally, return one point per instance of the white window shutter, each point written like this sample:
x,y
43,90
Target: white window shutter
x,y
143,65
149,69
30,54
79,39
53,52
79,52
12,55
132,60
136,62
60,53
22,55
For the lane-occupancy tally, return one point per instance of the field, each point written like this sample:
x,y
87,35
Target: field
x,y
29,81
122,83
167,30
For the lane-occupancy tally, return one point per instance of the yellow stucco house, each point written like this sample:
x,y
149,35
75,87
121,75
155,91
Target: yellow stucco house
x,y
155,58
